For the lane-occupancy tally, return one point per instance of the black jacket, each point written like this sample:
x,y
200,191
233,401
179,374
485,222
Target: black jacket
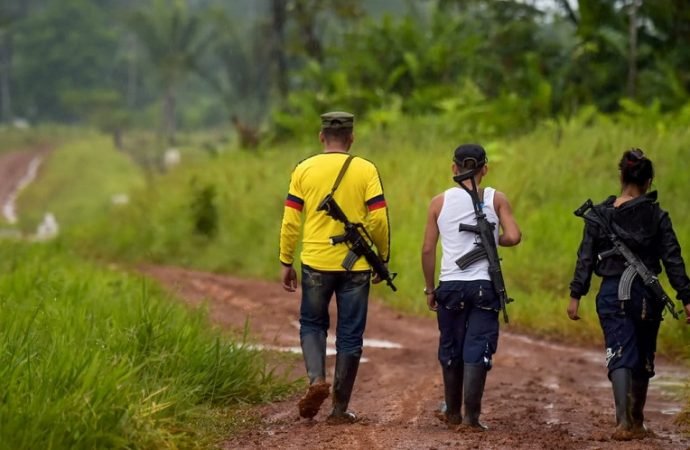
x,y
646,229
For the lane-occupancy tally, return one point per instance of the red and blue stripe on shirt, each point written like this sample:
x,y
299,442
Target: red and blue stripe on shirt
x,y
377,202
295,202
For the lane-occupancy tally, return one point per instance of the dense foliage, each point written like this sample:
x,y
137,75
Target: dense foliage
x,y
500,64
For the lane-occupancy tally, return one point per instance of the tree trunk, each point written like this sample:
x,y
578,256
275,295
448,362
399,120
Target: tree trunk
x,y
279,13
132,73
306,18
632,47
565,4
169,112
117,139
5,71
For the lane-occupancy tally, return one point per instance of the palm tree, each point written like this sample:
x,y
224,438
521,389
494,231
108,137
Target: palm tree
x,y
174,38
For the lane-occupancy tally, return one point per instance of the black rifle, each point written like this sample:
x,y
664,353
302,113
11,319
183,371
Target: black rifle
x,y
634,266
486,248
357,240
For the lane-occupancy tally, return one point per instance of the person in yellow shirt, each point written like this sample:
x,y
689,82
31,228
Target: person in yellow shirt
x,y
360,195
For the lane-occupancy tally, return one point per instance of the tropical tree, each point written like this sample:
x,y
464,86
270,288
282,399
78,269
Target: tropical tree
x,y
175,40
5,66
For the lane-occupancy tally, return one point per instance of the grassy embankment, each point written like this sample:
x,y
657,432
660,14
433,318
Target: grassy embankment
x,y
93,358
546,174
96,358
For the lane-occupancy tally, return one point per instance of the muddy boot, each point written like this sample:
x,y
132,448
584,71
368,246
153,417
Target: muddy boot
x,y
474,378
314,352
639,398
621,381
346,367
452,386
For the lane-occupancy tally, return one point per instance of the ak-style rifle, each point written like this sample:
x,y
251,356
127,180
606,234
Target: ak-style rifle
x,y
634,265
486,248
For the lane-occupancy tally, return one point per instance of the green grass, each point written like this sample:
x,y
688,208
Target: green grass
x,y
12,139
92,358
77,182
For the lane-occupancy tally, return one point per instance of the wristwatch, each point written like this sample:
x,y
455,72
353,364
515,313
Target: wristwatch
x,y
427,291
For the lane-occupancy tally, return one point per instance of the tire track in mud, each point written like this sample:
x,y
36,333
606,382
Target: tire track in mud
x,y
539,395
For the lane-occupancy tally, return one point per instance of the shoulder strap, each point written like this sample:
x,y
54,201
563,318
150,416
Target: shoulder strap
x,y
343,169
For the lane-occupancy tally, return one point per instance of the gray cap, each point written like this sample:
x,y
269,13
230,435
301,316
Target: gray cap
x,y
337,119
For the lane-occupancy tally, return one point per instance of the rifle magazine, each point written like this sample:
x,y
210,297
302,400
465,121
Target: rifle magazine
x,y
625,283
350,260
471,257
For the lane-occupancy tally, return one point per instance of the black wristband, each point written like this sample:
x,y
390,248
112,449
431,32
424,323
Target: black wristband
x,y
286,264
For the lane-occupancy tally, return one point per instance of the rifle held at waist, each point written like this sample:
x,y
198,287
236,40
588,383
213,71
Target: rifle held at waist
x,y
357,240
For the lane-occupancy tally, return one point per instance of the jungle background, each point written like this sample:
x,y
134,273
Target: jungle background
x,y
170,129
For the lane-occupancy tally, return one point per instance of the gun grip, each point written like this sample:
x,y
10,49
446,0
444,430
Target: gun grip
x,y
607,253
465,227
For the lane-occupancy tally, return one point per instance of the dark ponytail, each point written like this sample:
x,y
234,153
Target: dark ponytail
x,y
636,168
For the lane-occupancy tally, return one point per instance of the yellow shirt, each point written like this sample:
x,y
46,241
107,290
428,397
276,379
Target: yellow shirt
x,y
360,196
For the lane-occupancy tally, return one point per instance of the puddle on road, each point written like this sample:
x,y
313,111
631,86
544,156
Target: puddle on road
x,y
380,343
277,348
589,355
330,351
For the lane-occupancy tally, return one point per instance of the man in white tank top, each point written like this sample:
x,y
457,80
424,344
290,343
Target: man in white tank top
x,y
465,301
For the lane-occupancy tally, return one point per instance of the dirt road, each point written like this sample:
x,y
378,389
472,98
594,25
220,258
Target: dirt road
x,y
17,169
539,395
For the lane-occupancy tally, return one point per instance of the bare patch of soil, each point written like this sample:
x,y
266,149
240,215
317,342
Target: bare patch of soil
x,y
13,170
539,395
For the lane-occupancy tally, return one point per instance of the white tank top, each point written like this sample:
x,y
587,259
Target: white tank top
x,y
457,208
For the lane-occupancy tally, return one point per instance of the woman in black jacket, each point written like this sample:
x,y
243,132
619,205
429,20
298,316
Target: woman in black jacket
x,y
630,327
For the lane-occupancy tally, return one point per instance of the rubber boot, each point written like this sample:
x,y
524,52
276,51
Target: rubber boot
x,y
621,382
474,379
452,386
346,367
314,352
638,390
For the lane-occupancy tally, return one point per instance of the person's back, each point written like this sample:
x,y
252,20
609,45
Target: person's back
x,y
630,312
458,208
466,301
359,194
642,224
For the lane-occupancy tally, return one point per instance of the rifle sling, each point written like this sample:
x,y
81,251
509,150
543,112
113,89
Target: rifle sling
x,y
343,169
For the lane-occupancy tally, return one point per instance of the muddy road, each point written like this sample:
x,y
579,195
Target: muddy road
x,y
539,395
17,169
